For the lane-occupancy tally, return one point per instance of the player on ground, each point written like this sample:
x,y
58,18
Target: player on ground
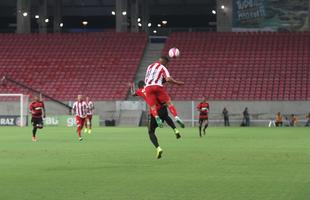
x,y
156,73
90,111
37,110
79,109
163,114
203,108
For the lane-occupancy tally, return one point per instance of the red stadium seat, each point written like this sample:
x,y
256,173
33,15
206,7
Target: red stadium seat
x,y
63,65
244,66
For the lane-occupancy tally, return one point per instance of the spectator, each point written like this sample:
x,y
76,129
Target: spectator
x,y
246,118
308,120
279,120
293,120
226,117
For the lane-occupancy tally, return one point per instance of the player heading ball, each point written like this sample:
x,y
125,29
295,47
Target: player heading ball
x,y
155,75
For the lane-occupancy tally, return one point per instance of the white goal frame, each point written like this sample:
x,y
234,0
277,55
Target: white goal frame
x,y
21,104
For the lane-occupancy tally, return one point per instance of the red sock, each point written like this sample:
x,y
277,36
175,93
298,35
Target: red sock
x,y
79,131
154,112
173,111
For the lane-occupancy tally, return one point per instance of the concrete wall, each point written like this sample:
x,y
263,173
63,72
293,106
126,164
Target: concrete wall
x,y
259,110
224,16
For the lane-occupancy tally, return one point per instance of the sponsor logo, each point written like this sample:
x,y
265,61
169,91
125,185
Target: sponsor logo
x,y
13,120
51,121
7,121
70,122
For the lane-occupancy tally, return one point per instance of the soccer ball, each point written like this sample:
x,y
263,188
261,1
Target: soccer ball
x,y
174,52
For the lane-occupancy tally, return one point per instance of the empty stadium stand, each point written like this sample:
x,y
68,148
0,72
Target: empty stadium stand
x,y
63,65
241,66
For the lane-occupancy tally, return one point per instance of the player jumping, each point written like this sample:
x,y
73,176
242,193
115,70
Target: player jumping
x,y
79,109
163,115
90,111
37,110
155,74
203,108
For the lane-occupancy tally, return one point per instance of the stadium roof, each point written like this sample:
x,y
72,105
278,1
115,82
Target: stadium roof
x,y
104,7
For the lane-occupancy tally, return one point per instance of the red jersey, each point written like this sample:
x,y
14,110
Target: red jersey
x,y
141,93
203,107
36,108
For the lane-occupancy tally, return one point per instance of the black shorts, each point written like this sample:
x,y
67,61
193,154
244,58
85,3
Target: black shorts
x,y
163,115
203,118
37,121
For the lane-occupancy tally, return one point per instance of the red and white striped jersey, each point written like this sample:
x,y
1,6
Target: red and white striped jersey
x,y
91,107
80,109
155,74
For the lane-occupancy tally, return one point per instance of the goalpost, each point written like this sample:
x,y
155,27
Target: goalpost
x,y
15,105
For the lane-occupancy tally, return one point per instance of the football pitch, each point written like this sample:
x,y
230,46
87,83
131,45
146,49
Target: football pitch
x,y
119,163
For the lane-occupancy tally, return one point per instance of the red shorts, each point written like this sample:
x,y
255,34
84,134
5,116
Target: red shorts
x,y
79,121
155,93
157,108
89,117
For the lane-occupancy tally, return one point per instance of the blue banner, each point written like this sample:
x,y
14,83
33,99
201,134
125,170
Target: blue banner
x,y
11,120
248,12
270,15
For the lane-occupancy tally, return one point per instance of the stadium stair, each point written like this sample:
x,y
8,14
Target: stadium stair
x,y
152,53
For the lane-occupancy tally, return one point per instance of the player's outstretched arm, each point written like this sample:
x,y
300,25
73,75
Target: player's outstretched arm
x,y
73,110
44,113
172,80
132,89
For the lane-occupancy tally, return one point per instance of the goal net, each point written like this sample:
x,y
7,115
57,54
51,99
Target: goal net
x,y
14,109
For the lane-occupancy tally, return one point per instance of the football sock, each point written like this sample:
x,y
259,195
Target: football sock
x,y
79,131
154,113
200,131
34,131
206,126
173,110
180,122
170,122
176,131
153,139
159,122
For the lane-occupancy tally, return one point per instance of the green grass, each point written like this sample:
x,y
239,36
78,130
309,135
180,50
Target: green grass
x,y
120,163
